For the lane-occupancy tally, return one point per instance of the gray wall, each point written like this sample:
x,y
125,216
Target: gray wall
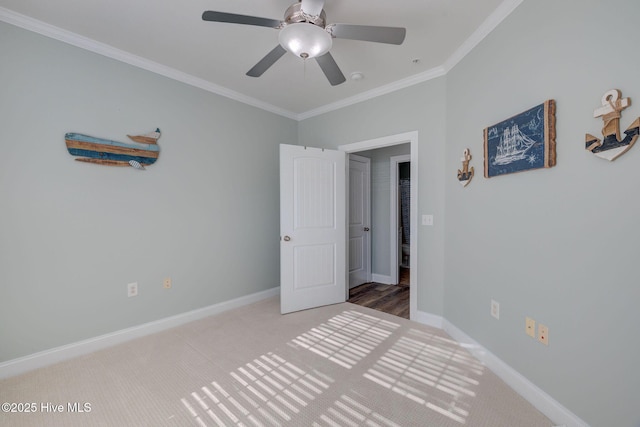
x,y
558,245
72,235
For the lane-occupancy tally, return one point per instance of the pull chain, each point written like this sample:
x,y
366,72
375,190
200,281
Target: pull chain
x,y
304,56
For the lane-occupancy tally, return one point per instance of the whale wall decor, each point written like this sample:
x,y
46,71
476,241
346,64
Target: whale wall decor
x,y
141,151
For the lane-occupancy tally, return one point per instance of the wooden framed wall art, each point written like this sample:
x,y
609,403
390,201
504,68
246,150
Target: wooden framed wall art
x,y
523,142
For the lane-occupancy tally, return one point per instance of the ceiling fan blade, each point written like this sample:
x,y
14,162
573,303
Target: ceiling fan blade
x,y
266,62
234,18
330,69
312,7
369,33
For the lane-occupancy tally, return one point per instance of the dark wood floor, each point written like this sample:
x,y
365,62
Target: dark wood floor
x,y
392,299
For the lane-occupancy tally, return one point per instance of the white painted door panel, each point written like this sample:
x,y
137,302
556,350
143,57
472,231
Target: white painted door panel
x,y
359,221
312,227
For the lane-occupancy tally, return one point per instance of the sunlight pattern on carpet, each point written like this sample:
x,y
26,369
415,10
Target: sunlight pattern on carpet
x,y
429,370
351,370
347,338
269,391
349,411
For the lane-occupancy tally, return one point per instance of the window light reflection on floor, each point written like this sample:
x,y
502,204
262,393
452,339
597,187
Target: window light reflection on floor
x,y
349,411
437,376
347,338
430,370
268,391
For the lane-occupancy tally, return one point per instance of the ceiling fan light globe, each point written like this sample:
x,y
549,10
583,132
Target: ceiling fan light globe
x,y
305,40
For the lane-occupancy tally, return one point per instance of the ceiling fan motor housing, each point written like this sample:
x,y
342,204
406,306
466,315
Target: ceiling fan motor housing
x,y
304,35
294,14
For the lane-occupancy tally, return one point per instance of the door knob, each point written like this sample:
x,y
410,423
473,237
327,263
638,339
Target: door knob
x,y
286,238
366,229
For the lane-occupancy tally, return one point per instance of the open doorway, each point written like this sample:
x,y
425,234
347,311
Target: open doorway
x,y
388,289
404,227
400,173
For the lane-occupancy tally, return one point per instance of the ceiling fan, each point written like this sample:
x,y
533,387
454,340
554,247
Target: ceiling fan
x,y
305,33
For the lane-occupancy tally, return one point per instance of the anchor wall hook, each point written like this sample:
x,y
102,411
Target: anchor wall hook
x,y
465,175
612,147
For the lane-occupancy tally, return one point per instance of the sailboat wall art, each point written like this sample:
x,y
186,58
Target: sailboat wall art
x,y
523,142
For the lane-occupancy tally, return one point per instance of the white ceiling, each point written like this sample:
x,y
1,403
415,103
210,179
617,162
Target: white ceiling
x,y
169,37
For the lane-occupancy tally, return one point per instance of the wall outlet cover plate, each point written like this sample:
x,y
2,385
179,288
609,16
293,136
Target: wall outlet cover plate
x,y
530,327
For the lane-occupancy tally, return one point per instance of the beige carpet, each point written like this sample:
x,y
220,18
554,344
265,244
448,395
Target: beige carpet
x,y
342,365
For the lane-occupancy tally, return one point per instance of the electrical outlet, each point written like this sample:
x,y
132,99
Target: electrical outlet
x,y
495,309
167,283
543,334
132,289
530,327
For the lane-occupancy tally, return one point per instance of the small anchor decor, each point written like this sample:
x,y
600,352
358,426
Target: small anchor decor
x,y
465,175
612,147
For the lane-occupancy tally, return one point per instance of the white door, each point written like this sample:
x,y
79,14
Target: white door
x,y
312,227
359,220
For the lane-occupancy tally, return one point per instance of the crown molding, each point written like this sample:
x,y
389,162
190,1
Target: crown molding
x,y
382,90
489,24
499,15
28,23
109,51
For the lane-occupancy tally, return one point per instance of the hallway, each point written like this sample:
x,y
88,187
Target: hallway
x,y
392,299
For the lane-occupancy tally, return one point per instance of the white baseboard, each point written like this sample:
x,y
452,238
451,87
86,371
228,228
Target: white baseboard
x,y
65,352
532,393
429,319
385,280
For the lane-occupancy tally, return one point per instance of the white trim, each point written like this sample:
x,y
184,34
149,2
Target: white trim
x,y
382,90
489,24
387,141
380,278
394,161
65,352
429,319
528,390
498,15
40,27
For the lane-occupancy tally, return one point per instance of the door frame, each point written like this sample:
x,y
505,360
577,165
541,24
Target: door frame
x,y
387,141
394,219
